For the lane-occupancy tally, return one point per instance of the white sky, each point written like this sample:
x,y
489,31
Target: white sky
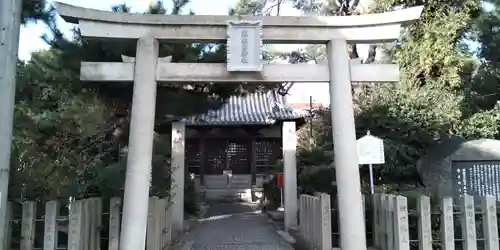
x,y
30,40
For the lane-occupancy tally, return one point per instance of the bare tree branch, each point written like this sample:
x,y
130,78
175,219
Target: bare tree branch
x,y
354,6
269,9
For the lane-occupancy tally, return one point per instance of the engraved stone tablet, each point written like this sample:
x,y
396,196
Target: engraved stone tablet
x,y
244,42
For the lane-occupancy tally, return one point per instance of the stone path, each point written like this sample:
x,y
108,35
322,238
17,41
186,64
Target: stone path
x,y
234,226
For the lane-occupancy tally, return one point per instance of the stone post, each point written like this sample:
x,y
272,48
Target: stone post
x,y
114,223
326,222
28,222
10,23
50,227
178,175
424,223
401,229
490,227
75,227
137,180
290,174
352,224
447,227
468,222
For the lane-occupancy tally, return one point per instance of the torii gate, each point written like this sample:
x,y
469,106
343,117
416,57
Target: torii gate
x,y
244,36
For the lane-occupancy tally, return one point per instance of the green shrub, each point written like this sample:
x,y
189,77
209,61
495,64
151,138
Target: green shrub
x,y
314,157
317,179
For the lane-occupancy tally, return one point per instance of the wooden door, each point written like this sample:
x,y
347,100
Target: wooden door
x,y
238,156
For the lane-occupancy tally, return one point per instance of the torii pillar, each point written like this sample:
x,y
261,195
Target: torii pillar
x,y
138,176
349,195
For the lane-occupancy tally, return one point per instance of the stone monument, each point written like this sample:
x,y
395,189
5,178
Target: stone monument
x,y
457,167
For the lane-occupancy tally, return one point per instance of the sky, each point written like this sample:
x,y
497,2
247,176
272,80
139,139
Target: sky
x,y
30,35
30,38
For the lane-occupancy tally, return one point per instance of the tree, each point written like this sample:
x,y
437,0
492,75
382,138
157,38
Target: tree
x,y
60,133
34,10
485,86
69,135
432,100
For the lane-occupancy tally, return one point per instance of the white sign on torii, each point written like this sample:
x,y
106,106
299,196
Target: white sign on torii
x,y
244,46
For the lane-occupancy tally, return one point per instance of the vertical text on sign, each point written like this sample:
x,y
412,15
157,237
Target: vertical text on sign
x,y
244,43
244,46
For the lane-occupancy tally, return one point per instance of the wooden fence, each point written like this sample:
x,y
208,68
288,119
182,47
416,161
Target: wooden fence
x,y
89,224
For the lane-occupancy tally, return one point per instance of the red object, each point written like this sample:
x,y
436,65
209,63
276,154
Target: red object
x,y
279,178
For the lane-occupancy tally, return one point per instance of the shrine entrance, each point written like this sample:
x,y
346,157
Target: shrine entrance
x,y
244,36
232,150
228,173
232,168
227,158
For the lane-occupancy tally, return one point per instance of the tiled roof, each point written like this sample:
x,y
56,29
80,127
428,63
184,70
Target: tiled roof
x,y
252,109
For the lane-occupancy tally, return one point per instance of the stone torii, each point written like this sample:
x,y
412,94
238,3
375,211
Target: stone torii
x,y
244,36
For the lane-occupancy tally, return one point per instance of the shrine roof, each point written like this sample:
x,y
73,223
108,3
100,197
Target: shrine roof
x,y
258,108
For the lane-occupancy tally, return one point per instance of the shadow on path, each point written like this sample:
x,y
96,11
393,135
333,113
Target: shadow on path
x,y
217,209
237,226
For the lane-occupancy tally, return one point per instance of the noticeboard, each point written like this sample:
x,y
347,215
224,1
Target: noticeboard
x,y
370,150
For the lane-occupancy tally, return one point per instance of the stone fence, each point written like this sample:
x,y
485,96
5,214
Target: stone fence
x,y
88,224
435,223
400,223
315,220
